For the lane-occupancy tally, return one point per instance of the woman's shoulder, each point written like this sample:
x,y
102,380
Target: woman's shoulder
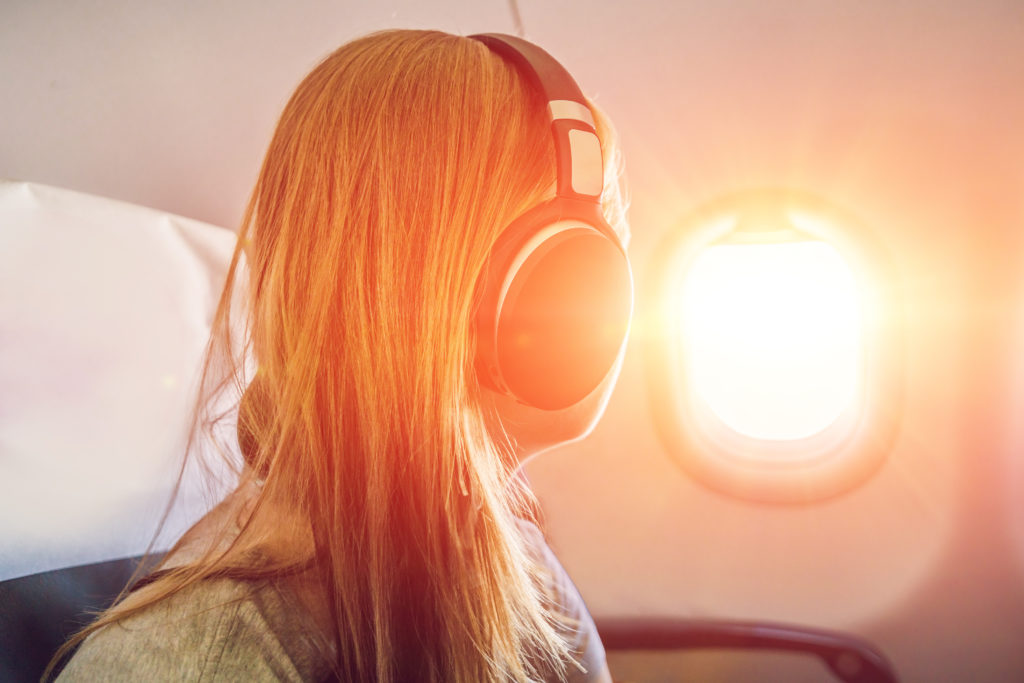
x,y
558,588
572,617
216,629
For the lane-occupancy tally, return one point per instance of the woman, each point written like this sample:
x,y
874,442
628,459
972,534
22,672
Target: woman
x,y
379,530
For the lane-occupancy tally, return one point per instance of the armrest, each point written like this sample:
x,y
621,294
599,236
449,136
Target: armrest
x,y
850,658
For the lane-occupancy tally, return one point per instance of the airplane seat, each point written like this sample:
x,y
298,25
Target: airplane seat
x,y
105,310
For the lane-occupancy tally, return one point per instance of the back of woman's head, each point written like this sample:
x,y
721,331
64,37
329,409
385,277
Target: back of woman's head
x,y
394,166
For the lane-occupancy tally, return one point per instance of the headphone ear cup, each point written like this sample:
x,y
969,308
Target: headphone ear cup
x,y
564,318
551,329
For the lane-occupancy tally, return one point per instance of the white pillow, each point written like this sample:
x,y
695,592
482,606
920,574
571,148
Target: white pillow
x,y
105,309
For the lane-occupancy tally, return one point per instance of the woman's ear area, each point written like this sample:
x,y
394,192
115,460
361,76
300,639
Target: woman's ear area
x,y
532,430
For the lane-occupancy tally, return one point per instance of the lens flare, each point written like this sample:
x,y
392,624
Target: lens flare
x,y
773,336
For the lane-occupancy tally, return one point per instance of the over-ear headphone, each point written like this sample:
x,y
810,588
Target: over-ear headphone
x,y
557,293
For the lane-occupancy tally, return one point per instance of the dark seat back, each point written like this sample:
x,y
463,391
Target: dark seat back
x,y
39,612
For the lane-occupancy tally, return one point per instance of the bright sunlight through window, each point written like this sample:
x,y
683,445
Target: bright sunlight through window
x,y
773,335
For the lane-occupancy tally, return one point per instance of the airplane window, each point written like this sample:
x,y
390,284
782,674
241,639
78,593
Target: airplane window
x,y
778,373
773,336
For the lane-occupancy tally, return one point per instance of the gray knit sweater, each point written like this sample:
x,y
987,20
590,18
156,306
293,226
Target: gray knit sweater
x,y
235,630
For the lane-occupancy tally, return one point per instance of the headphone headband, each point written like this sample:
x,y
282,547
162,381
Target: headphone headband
x,y
577,147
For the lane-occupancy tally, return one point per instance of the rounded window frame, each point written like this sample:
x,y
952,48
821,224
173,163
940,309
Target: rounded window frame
x,y
829,463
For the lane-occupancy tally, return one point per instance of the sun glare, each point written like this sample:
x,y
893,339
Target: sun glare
x,y
773,336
